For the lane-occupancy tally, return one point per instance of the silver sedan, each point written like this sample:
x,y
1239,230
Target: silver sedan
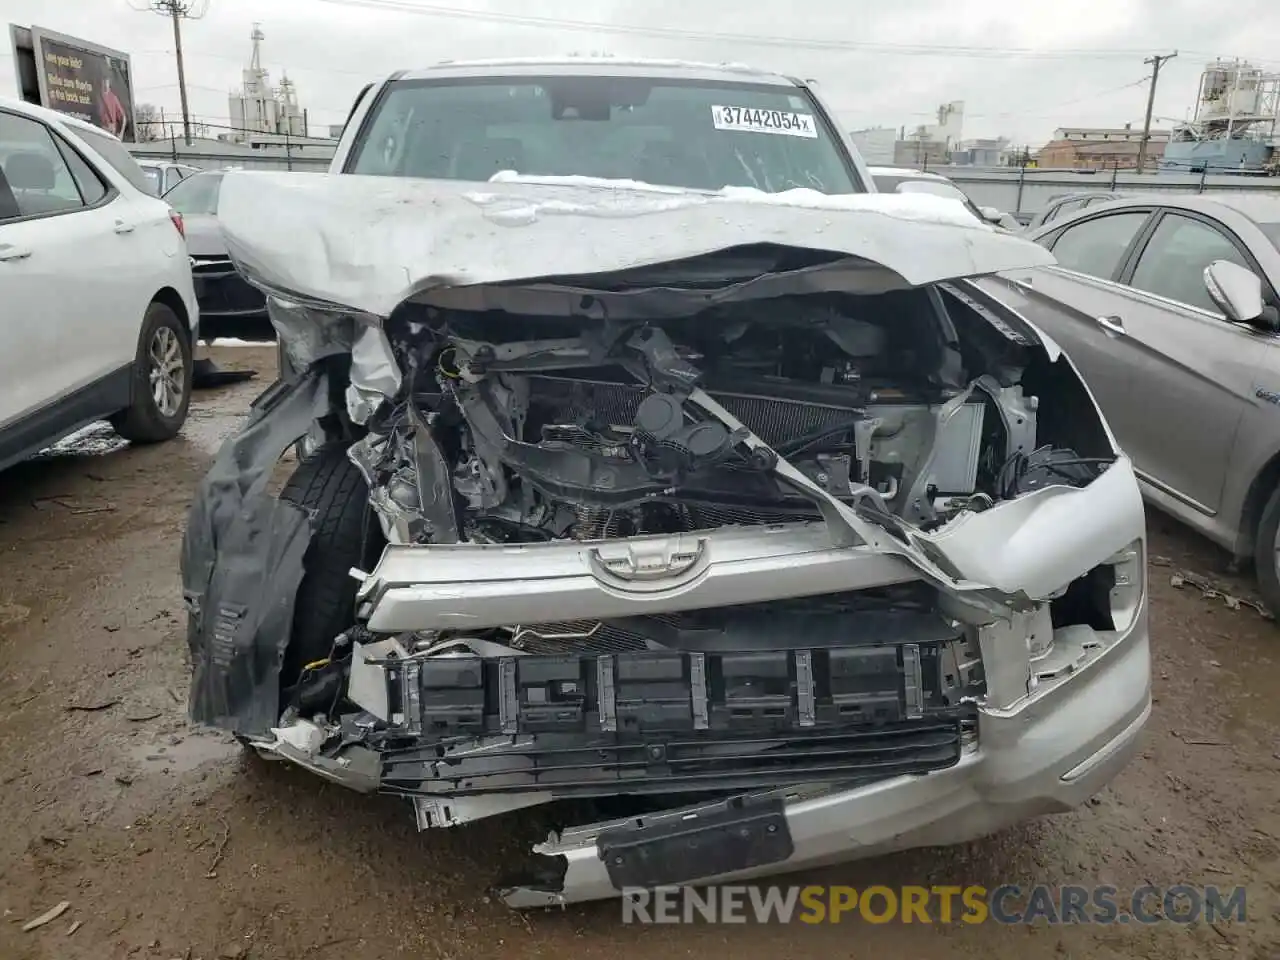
x,y
1168,306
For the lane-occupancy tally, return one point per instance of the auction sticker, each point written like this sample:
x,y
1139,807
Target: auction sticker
x,y
755,120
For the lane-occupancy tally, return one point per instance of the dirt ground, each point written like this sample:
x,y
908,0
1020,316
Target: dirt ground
x,y
170,843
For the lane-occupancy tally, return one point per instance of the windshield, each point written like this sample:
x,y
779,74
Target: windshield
x,y
196,196
114,152
696,134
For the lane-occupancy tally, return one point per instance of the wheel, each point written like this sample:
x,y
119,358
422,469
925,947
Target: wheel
x,y
329,487
161,380
1266,554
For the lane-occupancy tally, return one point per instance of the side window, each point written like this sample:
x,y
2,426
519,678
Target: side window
x,y
112,151
1172,264
1097,246
37,176
1069,208
92,189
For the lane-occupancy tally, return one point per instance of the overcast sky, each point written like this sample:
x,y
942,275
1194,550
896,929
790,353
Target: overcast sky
x,y
1021,68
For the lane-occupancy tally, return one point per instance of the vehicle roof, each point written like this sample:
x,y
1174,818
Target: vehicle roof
x,y
906,172
595,66
1084,194
52,116
1258,207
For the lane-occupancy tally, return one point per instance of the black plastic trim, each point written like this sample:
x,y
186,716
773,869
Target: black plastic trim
x,y
49,424
677,851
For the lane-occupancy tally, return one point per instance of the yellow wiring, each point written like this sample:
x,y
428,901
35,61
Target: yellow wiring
x,y
317,664
452,375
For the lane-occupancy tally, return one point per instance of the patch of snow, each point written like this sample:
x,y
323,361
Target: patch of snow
x,y
511,176
928,208
233,342
625,198
905,206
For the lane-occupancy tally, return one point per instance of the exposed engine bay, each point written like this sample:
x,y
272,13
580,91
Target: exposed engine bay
x,y
501,437
527,432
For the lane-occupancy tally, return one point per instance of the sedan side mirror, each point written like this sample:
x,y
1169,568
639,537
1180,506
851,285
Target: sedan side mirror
x,y
1236,291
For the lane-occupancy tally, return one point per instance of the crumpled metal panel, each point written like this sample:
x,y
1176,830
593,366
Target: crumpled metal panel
x,y
308,334
241,565
375,376
364,245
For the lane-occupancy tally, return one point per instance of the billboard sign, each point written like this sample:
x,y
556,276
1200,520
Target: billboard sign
x,y
80,78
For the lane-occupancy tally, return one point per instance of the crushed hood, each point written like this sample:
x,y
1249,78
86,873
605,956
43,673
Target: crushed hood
x,y
367,244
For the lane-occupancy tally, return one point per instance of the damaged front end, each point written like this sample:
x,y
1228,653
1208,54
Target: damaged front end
x,y
723,535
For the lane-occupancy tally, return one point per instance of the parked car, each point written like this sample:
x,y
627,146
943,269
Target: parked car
x,y
229,306
1168,304
746,508
909,180
1068,205
163,175
97,312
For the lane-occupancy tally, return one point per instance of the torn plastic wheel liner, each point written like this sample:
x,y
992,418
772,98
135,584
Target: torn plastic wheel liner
x,y
242,563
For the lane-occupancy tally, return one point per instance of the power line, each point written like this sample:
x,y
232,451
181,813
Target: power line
x,y
865,46
229,58
177,11
1024,112
1155,62
559,23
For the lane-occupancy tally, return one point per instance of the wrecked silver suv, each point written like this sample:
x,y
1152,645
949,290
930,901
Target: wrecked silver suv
x,y
759,514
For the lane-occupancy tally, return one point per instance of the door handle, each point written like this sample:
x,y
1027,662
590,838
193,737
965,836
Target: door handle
x,y
1112,325
122,227
10,252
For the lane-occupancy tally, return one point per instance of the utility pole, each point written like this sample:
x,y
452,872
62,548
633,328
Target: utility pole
x,y
177,11
1156,62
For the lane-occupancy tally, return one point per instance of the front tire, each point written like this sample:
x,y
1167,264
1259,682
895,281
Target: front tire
x,y
1266,554
162,376
329,487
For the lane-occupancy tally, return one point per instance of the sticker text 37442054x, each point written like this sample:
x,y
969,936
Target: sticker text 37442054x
x,y
755,120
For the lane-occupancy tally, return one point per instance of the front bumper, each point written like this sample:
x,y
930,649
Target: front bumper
x,y
229,306
478,586
1048,754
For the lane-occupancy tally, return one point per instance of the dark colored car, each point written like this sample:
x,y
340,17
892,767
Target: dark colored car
x,y
229,307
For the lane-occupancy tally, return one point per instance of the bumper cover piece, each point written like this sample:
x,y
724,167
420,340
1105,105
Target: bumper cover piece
x,y
477,586
658,722
1056,749
677,851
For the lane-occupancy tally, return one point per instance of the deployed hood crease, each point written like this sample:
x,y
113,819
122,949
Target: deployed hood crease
x,y
367,244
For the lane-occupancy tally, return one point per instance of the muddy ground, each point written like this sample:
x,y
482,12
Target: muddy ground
x,y
171,843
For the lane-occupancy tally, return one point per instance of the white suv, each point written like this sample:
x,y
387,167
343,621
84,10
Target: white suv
x,y
97,312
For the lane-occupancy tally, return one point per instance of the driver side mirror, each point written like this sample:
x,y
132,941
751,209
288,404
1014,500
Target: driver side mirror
x,y
991,215
1238,294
